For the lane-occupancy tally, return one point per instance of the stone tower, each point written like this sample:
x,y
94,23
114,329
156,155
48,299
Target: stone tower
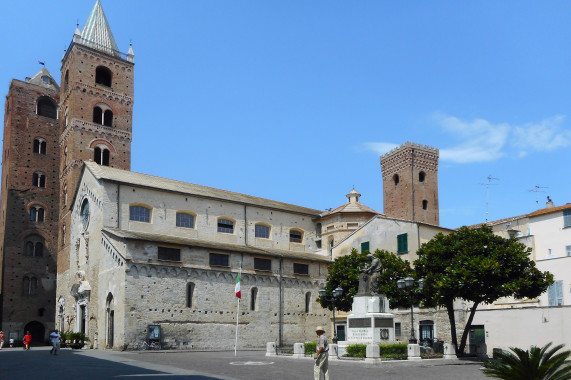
x,y
96,107
29,207
410,183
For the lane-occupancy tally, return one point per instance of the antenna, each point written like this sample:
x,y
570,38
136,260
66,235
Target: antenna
x,y
488,184
536,191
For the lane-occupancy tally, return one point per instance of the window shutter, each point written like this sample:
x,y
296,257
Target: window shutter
x,y
567,218
364,246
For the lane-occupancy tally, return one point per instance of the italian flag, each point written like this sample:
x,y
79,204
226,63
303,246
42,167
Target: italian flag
x,y
237,288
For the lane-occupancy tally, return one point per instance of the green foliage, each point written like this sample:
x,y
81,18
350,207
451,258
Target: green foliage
x,y
310,348
535,364
394,351
356,351
476,265
345,270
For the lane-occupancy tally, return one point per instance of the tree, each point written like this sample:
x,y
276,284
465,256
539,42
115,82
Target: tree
x,y
477,266
345,270
537,363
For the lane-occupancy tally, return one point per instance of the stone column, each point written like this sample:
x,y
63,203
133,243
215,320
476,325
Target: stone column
x,y
373,353
271,349
298,350
449,351
333,352
413,351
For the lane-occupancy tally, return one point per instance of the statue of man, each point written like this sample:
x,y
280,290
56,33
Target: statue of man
x,y
373,274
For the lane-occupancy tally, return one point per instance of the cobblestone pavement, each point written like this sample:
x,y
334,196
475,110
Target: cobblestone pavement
x,y
98,364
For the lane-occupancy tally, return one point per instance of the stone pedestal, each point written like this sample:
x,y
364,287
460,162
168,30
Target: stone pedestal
x,y
373,353
370,321
271,349
413,352
449,351
333,352
298,350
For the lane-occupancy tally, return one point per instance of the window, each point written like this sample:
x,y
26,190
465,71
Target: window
x,y
364,247
39,179
46,79
41,312
396,179
103,76
103,115
140,214
566,218
218,259
262,264
307,301
39,145
170,254
226,226
295,236
189,294
402,243
397,329
101,156
424,204
421,176
84,213
253,297
568,248
262,231
34,246
66,80
184,219
555,294
30,286
47,107
36,213
318,230
300,268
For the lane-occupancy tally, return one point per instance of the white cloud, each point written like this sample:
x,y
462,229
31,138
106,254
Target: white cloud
x,y
483,141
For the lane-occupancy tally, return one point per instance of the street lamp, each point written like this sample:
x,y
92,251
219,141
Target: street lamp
x,y
338,292
408,283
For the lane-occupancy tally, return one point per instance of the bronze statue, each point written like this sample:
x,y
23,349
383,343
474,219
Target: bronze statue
x,y
370,277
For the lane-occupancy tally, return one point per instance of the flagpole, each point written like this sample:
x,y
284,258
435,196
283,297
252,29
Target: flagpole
x,y
238,308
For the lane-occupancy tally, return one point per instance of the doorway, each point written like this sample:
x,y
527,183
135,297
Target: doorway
x,y
37,330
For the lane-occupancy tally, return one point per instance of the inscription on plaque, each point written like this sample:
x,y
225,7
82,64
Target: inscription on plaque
x,y
359,322
384,322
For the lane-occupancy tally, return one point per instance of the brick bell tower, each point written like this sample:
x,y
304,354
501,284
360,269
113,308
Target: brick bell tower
x,y
96,104
410,183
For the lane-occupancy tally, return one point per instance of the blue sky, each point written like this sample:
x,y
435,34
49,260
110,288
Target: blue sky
x,y
295,100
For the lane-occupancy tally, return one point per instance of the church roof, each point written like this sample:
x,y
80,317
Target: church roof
x,y
208,244
44,78
164,184
352,206
97,33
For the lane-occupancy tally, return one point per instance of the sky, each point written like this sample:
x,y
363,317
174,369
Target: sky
x,y
296,100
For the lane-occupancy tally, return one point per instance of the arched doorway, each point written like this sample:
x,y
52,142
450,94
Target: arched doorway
x,y
37,330
110,320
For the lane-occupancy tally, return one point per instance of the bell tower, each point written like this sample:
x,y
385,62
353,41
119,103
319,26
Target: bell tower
x,y
96,108
410,183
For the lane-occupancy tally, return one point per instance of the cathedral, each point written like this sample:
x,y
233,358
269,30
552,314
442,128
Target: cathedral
x,y
88,245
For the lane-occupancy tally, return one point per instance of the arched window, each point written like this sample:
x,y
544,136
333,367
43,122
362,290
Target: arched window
x,y
39,179
103,115
226,226
65,194
184,219
295,236
253,298
47,107
39,145
101,155
189,294
424,204
140,214
103,76
34,246
36,213
262,231
307,301
41,312
396,179
421,176
66,80
30,285
318,230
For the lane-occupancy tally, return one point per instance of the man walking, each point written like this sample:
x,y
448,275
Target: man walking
x,y
322,355
54,339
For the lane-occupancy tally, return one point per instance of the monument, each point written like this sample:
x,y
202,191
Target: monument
x,y
370,321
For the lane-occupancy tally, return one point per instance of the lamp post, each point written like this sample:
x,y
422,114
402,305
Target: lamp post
x,y
338,292
409,284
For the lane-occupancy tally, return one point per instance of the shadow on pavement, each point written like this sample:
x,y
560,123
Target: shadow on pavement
x,y
38,363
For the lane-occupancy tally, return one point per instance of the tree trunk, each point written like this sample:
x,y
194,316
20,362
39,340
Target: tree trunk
x,y
467,328
452,319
